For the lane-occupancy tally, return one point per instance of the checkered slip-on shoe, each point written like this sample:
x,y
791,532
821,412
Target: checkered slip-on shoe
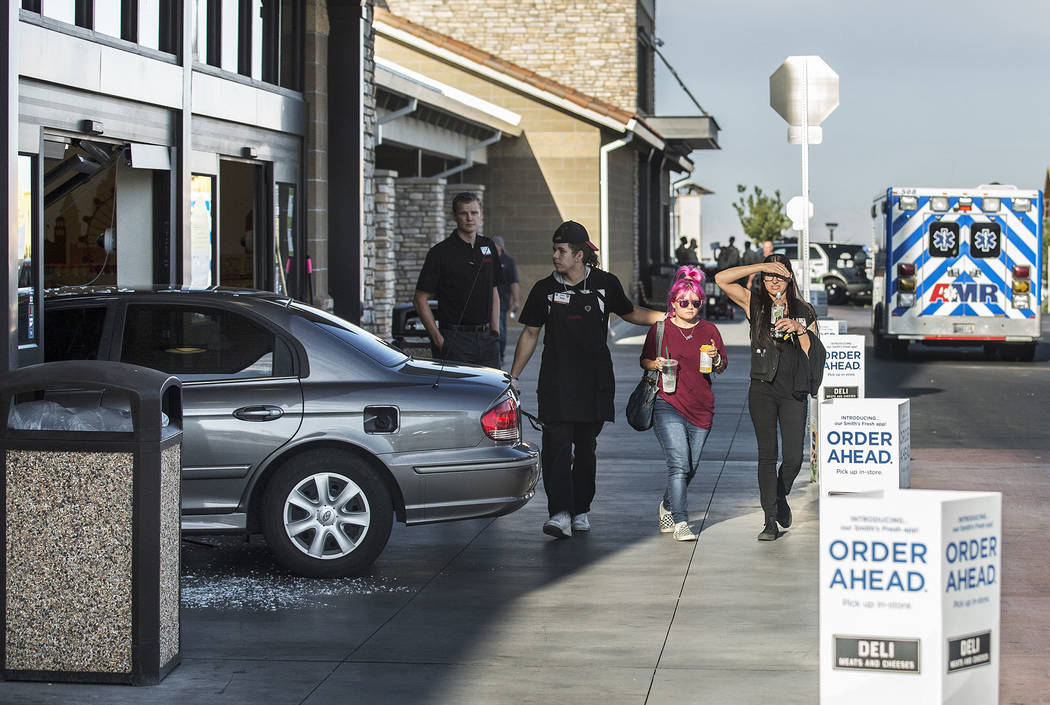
x,y
683,532
666,520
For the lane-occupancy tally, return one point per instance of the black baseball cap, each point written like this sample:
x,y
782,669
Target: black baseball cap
x,y
572,232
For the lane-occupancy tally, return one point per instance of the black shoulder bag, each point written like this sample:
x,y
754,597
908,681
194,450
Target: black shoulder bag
x,y
640,405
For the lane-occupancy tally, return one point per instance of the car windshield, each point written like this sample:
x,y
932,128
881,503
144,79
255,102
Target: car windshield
x,y
375,347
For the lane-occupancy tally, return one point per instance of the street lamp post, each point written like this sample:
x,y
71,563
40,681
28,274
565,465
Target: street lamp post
x,y
831,231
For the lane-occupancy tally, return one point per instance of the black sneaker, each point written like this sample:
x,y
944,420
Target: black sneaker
x,y
783,512
769,533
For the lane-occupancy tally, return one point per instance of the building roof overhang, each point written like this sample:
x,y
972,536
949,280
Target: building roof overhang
x,y
440,104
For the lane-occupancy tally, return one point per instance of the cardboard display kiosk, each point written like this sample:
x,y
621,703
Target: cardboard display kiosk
x,y
864,445
910,597
843,368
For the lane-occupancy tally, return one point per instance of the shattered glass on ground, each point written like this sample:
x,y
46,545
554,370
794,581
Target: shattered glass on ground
x,y
229,573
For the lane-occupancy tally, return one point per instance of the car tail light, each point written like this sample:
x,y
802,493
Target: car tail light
x,y
906,269
905,300
1021,286
503,422
1021,271
906,284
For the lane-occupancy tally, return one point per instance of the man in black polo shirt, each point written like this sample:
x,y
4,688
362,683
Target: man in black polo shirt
x,y
462,272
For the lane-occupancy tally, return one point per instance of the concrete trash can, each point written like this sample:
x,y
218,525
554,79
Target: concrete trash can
x,y
90,465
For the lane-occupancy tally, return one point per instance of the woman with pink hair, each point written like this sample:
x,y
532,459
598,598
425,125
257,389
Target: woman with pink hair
x,y
682,418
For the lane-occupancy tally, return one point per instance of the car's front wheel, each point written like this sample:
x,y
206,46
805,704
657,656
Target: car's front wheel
x,y
326,514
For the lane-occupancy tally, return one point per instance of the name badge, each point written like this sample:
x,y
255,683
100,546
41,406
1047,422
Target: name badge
x,y
562,297
485,250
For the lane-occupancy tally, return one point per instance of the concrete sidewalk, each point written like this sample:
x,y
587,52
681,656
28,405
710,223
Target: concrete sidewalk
x,y
493,611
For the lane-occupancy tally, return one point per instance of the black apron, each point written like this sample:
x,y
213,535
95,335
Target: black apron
x,y
576,373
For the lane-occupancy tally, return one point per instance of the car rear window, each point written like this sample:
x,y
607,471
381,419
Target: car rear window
x,y
375,347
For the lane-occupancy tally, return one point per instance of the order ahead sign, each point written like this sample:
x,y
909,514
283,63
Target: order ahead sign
x,y
910,597
865,444
843,368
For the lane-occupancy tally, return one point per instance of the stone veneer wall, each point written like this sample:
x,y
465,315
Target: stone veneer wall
x,y
315,92
368,144
381,265
420,222
589,45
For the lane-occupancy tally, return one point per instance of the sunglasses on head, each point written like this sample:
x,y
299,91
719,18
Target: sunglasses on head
x,y
689,302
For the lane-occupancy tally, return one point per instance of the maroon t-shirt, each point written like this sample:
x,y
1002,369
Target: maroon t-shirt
x,y
692,396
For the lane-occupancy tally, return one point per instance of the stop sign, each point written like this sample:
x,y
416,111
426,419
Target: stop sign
x,y
787,89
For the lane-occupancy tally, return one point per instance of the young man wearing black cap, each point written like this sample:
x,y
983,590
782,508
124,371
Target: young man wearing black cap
x,y
462,271
576,382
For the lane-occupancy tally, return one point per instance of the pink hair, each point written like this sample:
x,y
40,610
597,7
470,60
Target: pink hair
x,y
686,279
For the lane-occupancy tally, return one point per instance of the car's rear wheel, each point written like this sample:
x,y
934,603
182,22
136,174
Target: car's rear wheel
x,y
835,290
326,514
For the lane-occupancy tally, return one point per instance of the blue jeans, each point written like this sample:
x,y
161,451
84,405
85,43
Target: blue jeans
x,y
682,443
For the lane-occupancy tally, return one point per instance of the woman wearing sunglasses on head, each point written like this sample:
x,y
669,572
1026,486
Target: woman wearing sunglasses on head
x,y
782,324
682,416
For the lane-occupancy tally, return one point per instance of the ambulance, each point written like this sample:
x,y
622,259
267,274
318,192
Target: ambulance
x,y
958,266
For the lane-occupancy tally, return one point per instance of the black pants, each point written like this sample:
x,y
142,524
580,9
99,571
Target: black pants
x,y
569,465
769,409
478,347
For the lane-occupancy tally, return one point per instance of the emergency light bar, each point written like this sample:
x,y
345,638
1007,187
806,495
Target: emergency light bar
x,y
939,203
964,204
1022,205
990,204
909,203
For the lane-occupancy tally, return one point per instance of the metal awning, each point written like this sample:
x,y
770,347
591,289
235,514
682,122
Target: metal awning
x,y
441,105
686,132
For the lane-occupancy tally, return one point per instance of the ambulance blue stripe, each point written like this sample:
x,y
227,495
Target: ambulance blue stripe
x,y
909,243
996,310
993,276
929,280
931,309
1028,223
1021,247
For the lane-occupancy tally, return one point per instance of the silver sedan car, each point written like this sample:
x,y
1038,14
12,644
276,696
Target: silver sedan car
x,y
304,427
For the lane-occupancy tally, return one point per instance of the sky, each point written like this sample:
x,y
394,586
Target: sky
x,y
931,93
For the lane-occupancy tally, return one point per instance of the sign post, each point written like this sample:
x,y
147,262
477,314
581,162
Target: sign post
x,y
804,91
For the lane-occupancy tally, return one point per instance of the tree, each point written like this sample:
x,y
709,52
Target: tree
x,y
761,216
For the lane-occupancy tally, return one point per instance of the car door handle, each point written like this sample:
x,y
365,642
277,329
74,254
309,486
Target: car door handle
x,y
259,413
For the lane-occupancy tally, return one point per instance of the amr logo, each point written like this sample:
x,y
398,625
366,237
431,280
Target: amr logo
x,y
964,293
